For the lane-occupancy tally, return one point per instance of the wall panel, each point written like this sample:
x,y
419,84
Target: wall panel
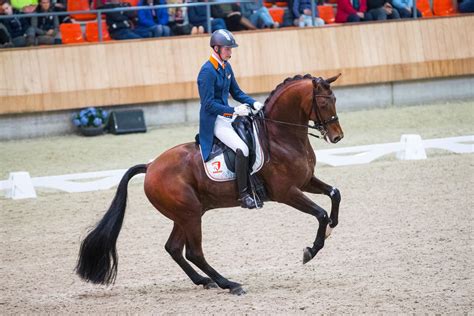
x,y
66,77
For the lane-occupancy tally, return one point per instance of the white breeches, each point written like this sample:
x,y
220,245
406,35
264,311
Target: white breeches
x,y
224,131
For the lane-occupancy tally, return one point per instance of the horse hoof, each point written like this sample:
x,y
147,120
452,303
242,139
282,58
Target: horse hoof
x,y
307,256
328,231
237,291
210,285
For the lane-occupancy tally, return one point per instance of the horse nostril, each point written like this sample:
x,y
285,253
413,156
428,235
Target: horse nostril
x,y
336,139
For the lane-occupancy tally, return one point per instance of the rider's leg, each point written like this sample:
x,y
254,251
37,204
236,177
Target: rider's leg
x,y
242,172
226,134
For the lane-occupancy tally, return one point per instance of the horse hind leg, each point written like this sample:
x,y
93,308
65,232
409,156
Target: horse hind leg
x,y
317,186
195,254
174,246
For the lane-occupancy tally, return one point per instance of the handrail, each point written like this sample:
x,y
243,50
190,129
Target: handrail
x,y
99,12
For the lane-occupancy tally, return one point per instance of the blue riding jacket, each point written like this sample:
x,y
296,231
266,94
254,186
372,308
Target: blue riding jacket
x,y
214,84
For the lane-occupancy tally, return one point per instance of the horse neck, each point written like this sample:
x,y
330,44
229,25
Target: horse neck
x,y
286,106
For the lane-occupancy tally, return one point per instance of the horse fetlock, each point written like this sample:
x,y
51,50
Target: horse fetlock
x,y
207,283
308,254
335,195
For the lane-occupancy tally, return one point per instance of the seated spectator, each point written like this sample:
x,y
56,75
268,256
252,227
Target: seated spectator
x,y
26,6
198,18
302,13
232,16
179,23
466,6
257,14
4,37
152,22
162,17
382,10
61,6
119,23
16,28
352,11
288,16
405,7
45,29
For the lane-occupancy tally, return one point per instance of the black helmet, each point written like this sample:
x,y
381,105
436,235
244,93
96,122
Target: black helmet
x,y
223,38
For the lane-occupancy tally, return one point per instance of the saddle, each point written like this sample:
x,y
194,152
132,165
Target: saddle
x,y
220,166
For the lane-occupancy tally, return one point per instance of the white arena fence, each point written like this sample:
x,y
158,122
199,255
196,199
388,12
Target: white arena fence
x,y
20,185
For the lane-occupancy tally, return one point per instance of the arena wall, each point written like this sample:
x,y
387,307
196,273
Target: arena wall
x,y
382,64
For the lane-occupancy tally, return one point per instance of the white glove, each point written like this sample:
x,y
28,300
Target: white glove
x,y
257,106
242,110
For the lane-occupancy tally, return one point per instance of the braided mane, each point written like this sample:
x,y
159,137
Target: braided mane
x,y
287,80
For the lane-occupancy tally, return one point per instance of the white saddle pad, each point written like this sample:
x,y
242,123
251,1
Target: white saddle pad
x,y
216,168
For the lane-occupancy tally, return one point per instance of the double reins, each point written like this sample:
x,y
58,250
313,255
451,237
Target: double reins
x,y
319,124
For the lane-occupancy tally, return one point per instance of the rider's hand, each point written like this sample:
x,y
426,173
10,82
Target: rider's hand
x,y
242,110
257,106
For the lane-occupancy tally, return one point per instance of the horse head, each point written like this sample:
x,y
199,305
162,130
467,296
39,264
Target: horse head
x,y
301,99
323,112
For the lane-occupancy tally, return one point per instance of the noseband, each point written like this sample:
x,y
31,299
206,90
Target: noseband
x,y
320,124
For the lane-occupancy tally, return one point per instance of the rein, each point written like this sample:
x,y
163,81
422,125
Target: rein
x,y
320,124
291,124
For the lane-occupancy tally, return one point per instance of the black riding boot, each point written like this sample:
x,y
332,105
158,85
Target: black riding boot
x,y
242,172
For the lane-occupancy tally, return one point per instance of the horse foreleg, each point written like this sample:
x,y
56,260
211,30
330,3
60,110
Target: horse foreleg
x,y
298,200
174,246
195,254
319,187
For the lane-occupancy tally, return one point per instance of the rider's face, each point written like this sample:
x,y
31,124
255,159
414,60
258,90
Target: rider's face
x,y
226,53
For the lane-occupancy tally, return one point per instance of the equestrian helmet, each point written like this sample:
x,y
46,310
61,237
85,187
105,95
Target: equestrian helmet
x,y
223,38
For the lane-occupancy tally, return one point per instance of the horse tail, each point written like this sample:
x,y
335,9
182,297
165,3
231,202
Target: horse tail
x,y
98,260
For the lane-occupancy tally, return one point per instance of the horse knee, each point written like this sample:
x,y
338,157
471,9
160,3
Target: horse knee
x,y
322,216
335,195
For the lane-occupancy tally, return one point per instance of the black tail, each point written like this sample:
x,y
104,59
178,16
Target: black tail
x,y
98,260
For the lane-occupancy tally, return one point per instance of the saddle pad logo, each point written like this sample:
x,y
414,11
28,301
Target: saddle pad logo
x,y
228,77
216,167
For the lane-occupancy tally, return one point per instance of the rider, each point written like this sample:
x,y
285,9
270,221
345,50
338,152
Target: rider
x,y
215,81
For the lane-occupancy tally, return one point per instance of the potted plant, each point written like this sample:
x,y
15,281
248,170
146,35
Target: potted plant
x,y
90,121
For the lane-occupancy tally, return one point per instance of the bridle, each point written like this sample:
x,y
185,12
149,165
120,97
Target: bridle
x,y
319,124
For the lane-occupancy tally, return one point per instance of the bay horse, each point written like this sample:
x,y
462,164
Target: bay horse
x,y
177,185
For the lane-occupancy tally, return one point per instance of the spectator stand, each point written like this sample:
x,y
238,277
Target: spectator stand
x,y
81,13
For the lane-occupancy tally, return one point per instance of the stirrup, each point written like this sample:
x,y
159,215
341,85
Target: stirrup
x,y
246,201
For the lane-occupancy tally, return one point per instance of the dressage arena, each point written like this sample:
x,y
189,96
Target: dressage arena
x,y
403,245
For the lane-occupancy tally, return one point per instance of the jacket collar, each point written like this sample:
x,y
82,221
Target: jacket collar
x,y
216,61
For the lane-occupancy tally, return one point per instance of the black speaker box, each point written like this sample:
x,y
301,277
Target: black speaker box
x,y
130,121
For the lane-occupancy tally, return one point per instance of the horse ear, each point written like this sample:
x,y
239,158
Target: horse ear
x,y
332,79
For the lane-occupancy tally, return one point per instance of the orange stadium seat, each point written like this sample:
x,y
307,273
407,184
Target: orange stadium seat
x,y
133,3
443,7
424,7
326,13
268,4
80,5
277,14
71,33
92,32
